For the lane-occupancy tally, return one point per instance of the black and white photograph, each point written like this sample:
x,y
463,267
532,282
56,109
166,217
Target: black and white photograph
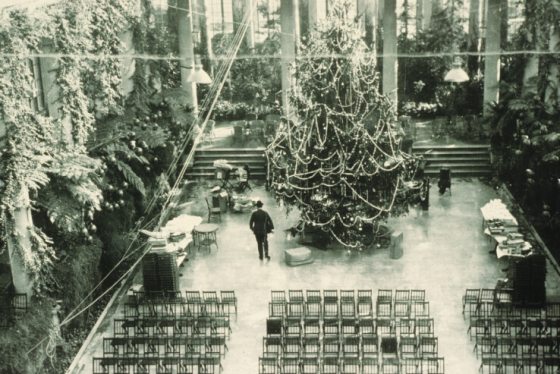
x,y
279,186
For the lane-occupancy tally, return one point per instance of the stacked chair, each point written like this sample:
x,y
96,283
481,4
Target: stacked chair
x,y
12,306
167,332
349,332
512,339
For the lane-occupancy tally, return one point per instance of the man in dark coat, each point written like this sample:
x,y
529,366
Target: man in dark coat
x,y
261,224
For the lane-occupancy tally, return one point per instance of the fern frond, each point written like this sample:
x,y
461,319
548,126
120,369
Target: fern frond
x,y
131,177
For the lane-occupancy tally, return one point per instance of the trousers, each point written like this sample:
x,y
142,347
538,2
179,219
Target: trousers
x,y
262,243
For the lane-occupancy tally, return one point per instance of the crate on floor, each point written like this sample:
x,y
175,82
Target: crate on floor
x,y
298,256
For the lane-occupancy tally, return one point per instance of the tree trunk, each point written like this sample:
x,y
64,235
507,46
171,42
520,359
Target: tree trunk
x,y
474,37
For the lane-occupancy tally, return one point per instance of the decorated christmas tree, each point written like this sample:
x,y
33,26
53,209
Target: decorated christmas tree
x,y
337,157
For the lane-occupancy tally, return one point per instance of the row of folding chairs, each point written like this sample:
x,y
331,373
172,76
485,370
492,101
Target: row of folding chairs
x,y
350,346
383,295
172,326
513,327
164,347
398,309
172,309
350,326
208,364
520,347
498,302
225,301
333,365
513,365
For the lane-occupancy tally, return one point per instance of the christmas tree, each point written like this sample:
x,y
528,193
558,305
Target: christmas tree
x,y
337,158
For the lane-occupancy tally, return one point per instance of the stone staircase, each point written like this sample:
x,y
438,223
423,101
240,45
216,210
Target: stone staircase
x,y
203,162
463,160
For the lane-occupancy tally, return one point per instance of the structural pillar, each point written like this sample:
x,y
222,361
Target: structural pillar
x,y
288,37
186,52
423,14
492,59
240,8
20,243
368,10
390,50
317,11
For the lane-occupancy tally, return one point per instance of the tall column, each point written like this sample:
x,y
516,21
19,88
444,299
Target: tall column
x,y
317,11
20,243
288,22
423,14
368,8
239,9
186,53
206,34
390,50
473,37
492,61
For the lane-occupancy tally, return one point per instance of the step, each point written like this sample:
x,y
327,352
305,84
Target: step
x,y
462,147
458,159
213,169
207,175
463,153
462,173
235,162
233,151
456,166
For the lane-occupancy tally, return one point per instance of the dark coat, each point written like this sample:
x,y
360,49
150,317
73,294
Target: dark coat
x,y
260,222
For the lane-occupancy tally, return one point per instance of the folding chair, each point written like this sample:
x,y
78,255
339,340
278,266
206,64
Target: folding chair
x,y
292,327
347,308
277,309
384,296
369,346
434,365
329,365
390,365
331,326
408,346
331,347
370,366
228,299
552,310
417,295
551,365
402,309
268,365
420,309
385,326
330,303
411,365
349,365
424,326
406,327
311,346
187,365
365,303
209,364
272,346
366,325
296,296
501,327
194,302
506,347
311,326
349,326
278,296
211,302
310,365
486,346
532,313
313,303
351,346
295,310
104,365
384,309
402,296
480,327
291,346
526,348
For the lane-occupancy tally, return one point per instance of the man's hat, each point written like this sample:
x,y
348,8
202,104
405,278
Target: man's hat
x,y
259,204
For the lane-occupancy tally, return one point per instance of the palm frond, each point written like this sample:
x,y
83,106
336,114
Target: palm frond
x,y
131,177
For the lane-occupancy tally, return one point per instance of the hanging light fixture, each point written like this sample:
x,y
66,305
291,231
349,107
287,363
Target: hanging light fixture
x,y
457,74
197,74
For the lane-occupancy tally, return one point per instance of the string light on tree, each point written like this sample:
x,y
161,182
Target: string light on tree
x,y
339,160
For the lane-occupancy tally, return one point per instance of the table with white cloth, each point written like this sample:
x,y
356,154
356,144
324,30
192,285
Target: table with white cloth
x,y
177,233
501,226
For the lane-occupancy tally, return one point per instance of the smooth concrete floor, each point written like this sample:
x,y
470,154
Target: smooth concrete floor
x,y
445,252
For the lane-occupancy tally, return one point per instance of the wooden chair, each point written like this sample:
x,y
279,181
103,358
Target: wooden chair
x,y
213,211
